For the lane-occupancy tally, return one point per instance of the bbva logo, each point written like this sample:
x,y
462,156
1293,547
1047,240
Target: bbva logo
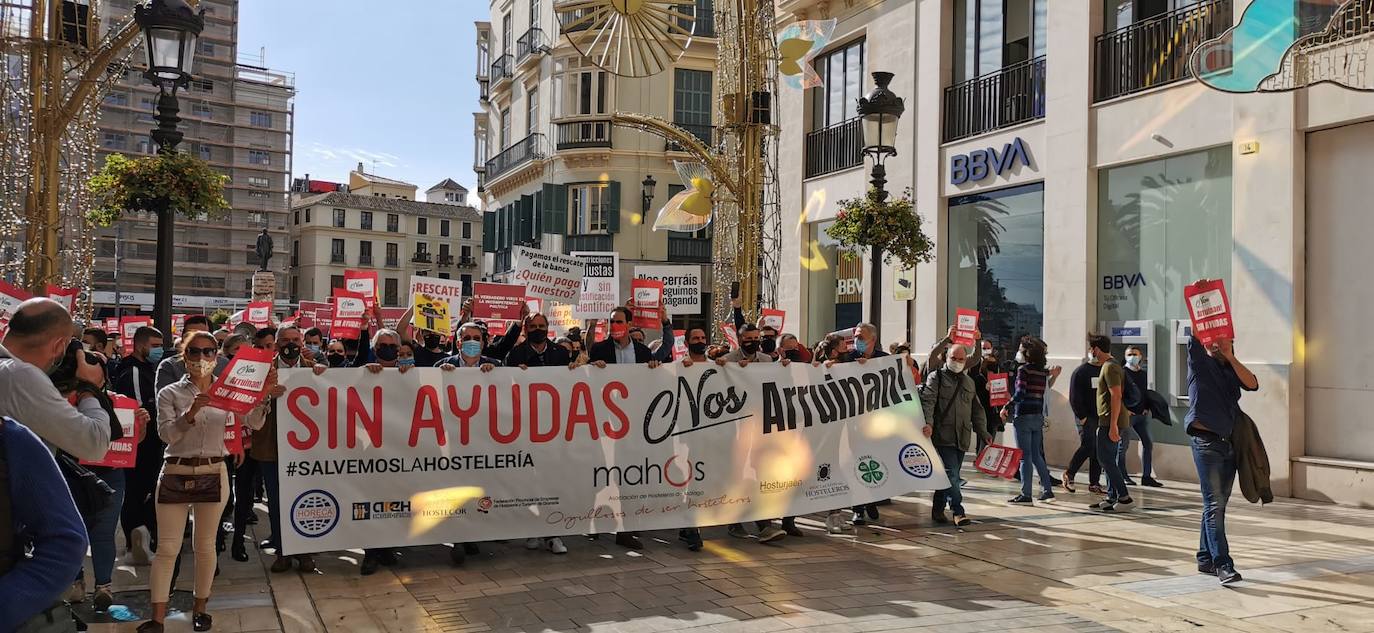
x,y
1118,282
979,164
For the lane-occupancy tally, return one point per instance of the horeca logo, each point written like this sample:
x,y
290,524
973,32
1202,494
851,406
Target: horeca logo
x,y
314,513
914,460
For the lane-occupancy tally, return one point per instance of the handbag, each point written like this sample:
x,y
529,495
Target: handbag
x,y
90,493
182,489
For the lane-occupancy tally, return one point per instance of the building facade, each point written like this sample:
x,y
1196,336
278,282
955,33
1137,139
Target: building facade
x,y
378,225
554,173
238,116
1075,178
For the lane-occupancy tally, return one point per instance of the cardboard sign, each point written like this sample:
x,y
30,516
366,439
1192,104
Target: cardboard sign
x,y
561,319
311,314
999,391
127,326
731,336
233,435
600,284
178,324
497,328
681,286
451,290
553,277
998,461
430,314
363,282
112,326
774,319
391,317
648,303
349,308
965,324
598,334
497,301
679,344
258,314
11,297
239,387
124,451
64,296
1210,310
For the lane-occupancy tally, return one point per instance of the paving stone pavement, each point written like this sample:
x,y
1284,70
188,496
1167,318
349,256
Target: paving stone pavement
x,y
1050,567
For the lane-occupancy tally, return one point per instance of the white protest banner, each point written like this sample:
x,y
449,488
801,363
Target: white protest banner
x,y
681,286
600,284
552,277
561,319
449,289
392,459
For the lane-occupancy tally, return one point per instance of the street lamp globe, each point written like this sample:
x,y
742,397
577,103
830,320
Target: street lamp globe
x,y
170,29
647,188
880,111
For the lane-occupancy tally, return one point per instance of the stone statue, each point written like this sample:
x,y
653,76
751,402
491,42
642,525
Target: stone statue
x,y
264,249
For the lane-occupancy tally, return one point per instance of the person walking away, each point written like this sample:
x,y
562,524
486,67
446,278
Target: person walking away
x,y
1112,420
952,416
1083,402
1027,410
1140,421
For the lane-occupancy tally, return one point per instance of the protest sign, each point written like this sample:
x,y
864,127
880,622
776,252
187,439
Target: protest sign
x,y
470,456
112,326
536,306
599,332
391,317
430,314
363,282
965,324
600,284
497,328
11,297
310,314
998,461
561,319
451,290
497,301
349,308
123,451
681,286
178,324
731,335
64,296
127,326
679,344
774,319
552,277
258,314
233,435
999,392
1210,310
648,303
239,387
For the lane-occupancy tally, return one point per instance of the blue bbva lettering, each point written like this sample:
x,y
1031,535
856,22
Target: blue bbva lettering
x,y
979,164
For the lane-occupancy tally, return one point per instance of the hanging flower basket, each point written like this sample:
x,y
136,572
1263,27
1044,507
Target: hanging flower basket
x,y
864,223
154,183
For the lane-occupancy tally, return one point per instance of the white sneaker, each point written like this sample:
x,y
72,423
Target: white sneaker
x,y
139,552
1123,505
533,543
556,546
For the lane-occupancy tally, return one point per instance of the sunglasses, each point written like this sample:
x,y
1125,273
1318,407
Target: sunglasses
x,y
200,352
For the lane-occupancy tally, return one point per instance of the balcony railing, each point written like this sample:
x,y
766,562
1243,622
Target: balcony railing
x,y
576,20
336,258
689,249
831,149
364,260
584,133
1015,94
587,243
422,257
1155,52
530,44
467,261
392,262
704,133
527,149
501,69
445,261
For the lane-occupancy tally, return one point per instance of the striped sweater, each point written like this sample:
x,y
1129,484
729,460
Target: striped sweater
x,y
1028,394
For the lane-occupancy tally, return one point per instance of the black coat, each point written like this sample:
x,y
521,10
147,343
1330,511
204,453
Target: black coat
x,y
605,352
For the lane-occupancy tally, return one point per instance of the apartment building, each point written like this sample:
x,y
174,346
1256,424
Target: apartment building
x,y
554,173
1075,177
377,224
238,116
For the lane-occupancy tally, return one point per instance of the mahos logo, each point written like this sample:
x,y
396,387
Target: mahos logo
x,y
914,460
676,475
314,513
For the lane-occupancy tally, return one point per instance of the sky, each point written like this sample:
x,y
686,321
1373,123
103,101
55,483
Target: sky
x,y
387,83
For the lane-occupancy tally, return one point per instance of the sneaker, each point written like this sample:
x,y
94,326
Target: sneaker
x,y
1020,500
1150,482
151,626
1125,504
1054,481
76,593
1108,506
282,564
770,534
102,598
961,520
1047,495
1130,482
533,543
238,551
834,522
858,518
368,567
692,537
872,511
139,553
1067,483
1101,505
1228,575
306,563
201,622
1097,488
736,530
556,546
1207,568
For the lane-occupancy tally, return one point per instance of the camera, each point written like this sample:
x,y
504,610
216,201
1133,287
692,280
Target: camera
x,y
65,373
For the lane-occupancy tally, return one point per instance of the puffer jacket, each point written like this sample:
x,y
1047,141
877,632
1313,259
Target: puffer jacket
x,y
950,403
1252,461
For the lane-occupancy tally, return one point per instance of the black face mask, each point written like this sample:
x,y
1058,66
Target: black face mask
x,y
697,349
537,336
792,355
336,359
431,341
769,345
750,347
289,351
387,353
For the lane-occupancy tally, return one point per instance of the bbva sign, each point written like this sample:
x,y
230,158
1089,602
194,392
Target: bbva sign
x,y
979,164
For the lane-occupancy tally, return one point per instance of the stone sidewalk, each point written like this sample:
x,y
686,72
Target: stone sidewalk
x,y
1052,567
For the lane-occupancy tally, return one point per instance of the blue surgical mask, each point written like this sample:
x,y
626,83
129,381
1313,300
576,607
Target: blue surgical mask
x,y
155,355
860,346
314,350
406,362
472,348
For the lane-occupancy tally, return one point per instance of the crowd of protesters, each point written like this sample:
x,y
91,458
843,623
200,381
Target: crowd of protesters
x,y
56,382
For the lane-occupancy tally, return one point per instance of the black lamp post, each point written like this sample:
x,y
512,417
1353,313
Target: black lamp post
x,y
646,194
170,29
880,111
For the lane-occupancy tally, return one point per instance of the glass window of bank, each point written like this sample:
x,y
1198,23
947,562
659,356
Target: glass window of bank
x,y
990,35
996,244
834,285
1161,225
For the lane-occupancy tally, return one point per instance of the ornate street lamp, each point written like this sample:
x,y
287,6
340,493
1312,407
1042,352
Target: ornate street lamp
x,y
170,29
646,196
880,111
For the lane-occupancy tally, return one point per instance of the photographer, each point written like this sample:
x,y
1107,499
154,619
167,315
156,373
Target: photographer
x,y
38,339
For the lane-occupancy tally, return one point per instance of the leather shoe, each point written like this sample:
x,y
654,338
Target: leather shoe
x,y
281,565
305,562
239,551
628,540
369,566
201,622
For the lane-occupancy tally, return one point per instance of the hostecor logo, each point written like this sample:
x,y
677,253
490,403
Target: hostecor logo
x,y
914,460
314,513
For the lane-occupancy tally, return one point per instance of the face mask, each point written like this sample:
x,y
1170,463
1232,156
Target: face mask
x,y
750,347
88,347
697,349
619,330
537,336
769,345
955,366
1133,362
314,350
289,352
406,362
1020,358
155,355
431,341
987,351
201,367
336,359
387,353
860,346
792,355
472,349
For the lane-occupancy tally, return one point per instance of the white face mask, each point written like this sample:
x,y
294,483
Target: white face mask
x,y
1133,361
955,366
201,367
1020,358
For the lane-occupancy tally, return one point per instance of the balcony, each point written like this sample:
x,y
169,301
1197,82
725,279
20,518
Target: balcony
x,y
1015,94
834,148
501,70
527,149
576,20
422,257
336,258
445,261
466,262
704,133
689,249
364,260
583,134
392,262
1155,51
588,243
530,45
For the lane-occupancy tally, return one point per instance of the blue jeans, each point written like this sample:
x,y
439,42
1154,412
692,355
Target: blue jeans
x,y
1215,459
268,470
100,529
1030,438
1141,425
954,460
1108,453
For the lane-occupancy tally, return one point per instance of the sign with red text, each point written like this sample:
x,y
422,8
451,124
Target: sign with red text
x,y
998,461
965,324
112,326
600,284
773,318
233,435
392,459
1210,310
450,290
731,335
124,450
178,324
679,344
11,297
497,301
64,296
363,282
349,308
681,286
999,391
239,387
648,303
553,277
258,314
497,328
127,326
